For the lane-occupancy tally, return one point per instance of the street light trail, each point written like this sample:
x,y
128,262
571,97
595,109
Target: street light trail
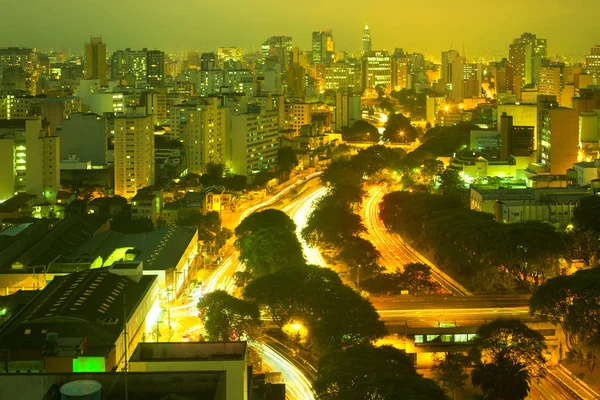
x,y
394,250
297,384
300,216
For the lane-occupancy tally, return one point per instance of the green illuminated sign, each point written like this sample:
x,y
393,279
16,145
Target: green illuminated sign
x,y
89,364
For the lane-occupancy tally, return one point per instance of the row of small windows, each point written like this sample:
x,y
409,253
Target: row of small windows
x,y
451,338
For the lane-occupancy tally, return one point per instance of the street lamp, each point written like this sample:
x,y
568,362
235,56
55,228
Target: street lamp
x,y
402,136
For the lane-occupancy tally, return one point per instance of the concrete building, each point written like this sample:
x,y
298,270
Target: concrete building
x,y
146,204
343,75
95,60
347,110
229,357
128,61
84,136
592,62
296,116
453,74
377,72
202,126
400,70
29,160
323,47
522,114
554,205
76,323
515,140
155,68
133,154
229,54
254,141
525,56
586,172
56,109
558,139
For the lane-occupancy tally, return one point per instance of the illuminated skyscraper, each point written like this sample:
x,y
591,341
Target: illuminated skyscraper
x,y
453,74
134,154
95,60
377,71
366,41
525,56
155,67
592,62
323,47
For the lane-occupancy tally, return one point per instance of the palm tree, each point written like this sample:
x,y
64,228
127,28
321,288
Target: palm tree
x,y
503,379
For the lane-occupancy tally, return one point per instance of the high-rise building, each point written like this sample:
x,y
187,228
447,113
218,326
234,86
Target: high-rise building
x,y
377,71
202,126
551,80
229,54
95,60
343,75
84,136
129,61
366,41
592,62
323,47
558,136
254,141
155,67
29,160
133,153
296,116
296,81
400,70
453,74
515,140
347,109
208,61
525,57
21,70
279,47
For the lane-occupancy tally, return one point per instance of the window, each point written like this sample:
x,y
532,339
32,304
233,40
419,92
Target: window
x,y
431,338
471,336
461,338
447,338
418,338
27,331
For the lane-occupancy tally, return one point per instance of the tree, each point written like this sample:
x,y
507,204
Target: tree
x,y
512,340
582,245
361,131
504,379
286,162
367,372
361,257
376,158
331,225
268,249
451,183
573,301
336,316
531,251
269,218
451,371
227,318
417,279
399,129
242,278
586,216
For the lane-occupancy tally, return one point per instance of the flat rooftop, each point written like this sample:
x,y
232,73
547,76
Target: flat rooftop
x,y
208,351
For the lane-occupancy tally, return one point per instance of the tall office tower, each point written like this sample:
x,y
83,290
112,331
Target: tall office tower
x,y
558,136
193,59
29,160
323,47
400,70
453,74
417,72
155,67
129,61
525,56
366,41
229,54
377,71
278,47
21,70
592,62
202,127
95,60
343,75
551,80
254,141
208,61
347,110
296,85
134,153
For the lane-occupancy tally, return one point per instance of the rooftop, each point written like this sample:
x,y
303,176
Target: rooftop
x,y
586,164
160,249
15,203
208,351
86,304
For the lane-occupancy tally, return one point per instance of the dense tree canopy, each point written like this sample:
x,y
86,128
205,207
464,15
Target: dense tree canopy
x,y
286,162
367,372
450,371
511,339
416,278
586,216
399,129
503,379
500,257
361,131
228,318
269,218
336,315
573,301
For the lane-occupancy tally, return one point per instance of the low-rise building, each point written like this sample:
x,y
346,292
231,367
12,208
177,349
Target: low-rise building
x,y
586,172
80,322
146,204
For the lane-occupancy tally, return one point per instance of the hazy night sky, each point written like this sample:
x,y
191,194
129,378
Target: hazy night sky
x,y
422,26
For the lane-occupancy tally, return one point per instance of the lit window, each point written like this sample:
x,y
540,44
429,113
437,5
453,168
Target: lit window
x,y
418,338
431,338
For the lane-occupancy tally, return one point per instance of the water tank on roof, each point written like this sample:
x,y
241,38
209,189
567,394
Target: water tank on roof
x,y
81,390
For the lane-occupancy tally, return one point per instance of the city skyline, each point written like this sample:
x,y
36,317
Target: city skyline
x,y
568,30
